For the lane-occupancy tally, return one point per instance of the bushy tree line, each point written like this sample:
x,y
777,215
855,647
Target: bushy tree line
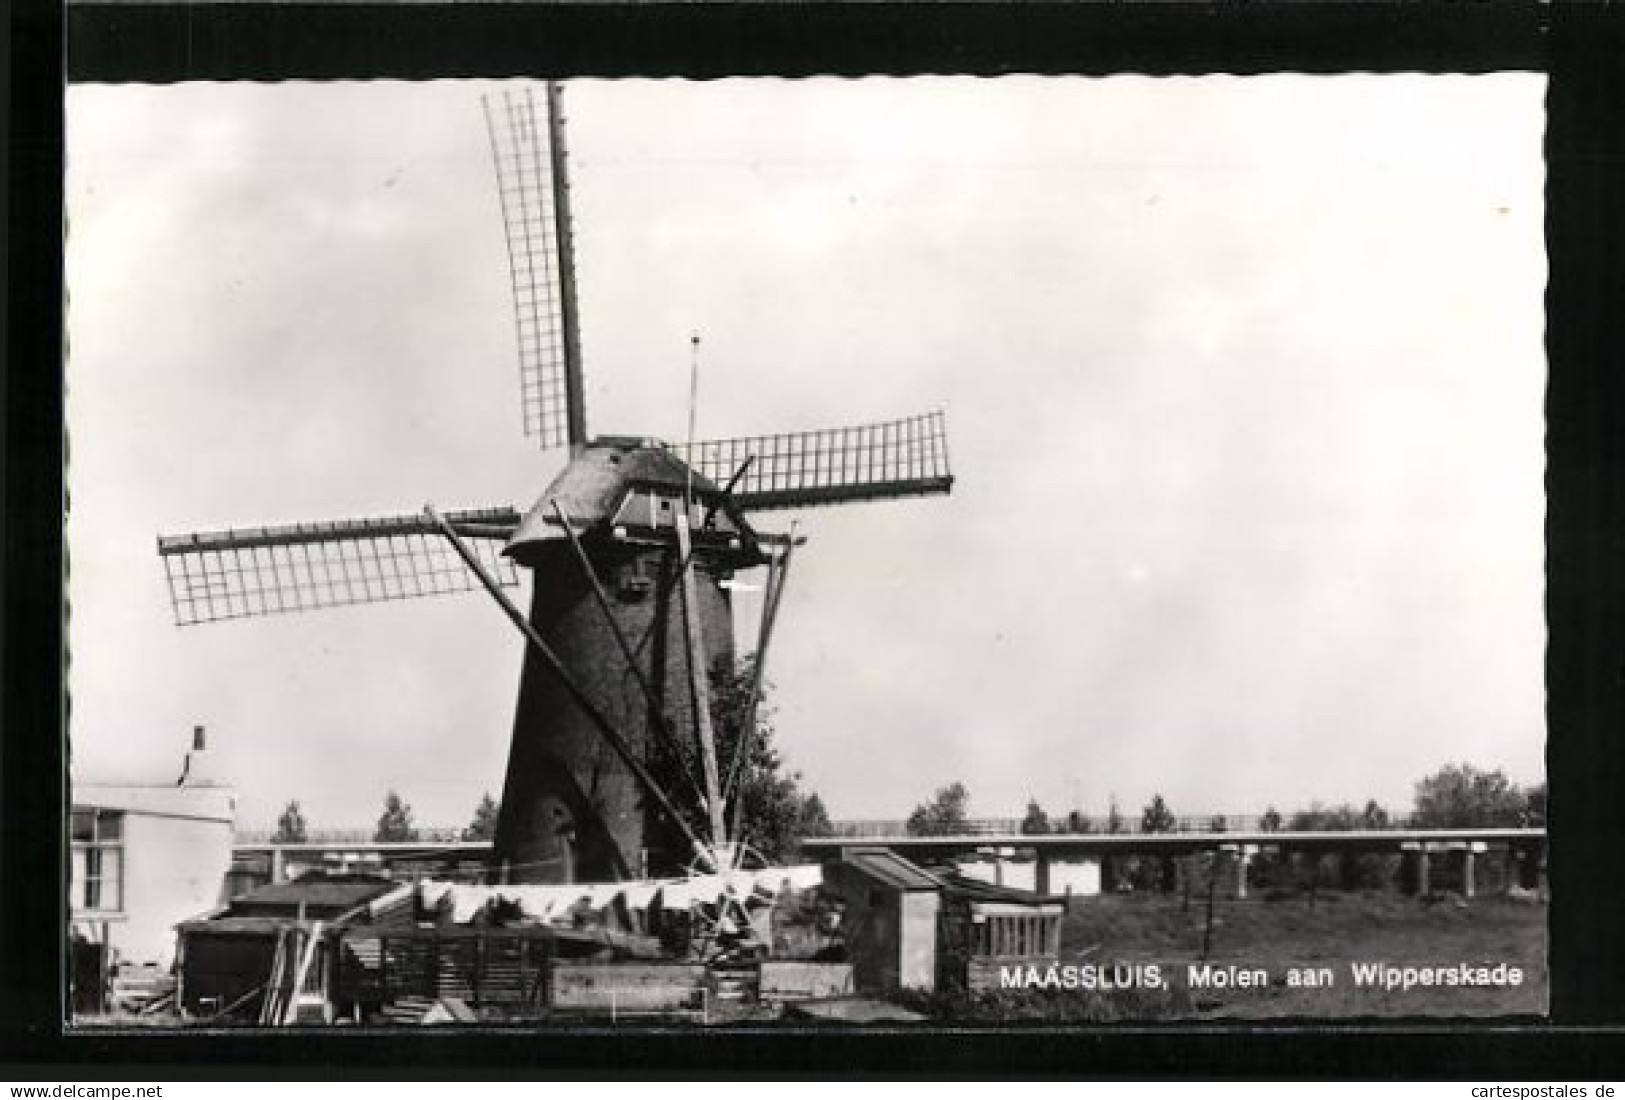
x,y
1457,796
394,823
947,812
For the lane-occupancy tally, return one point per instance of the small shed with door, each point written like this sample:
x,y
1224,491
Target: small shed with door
x,y
889,917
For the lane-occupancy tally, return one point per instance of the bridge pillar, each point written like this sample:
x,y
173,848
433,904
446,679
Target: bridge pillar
x,y
1041,870
1419,881
1528,866
1467,872
1243,858
278,865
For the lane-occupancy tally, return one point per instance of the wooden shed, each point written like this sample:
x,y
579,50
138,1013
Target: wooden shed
x,y
890,910
260,956
225,963
985,928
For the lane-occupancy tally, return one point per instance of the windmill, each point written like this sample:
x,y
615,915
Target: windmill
x,y
632,550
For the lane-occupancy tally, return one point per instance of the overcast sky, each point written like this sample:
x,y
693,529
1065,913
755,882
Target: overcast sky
x,y
1243,379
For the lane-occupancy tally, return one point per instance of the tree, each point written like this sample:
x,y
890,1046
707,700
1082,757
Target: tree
x,y
1373,816
290,827
812,818
947,812
1355,870
1157,817
1114,818
1268,868
484,825
1077,822
1535,806
775,814
1324,819
1161,872
395,823
1369,870
1036,823
1460,796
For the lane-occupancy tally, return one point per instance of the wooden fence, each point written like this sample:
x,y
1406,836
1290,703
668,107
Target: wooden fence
x,y
508,970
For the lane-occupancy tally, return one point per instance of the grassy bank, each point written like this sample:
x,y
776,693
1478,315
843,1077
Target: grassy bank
x,y
1287,935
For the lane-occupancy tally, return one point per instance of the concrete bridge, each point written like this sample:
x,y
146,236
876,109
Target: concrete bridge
x,y
1518,846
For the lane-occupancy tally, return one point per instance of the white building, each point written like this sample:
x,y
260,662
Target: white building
x,y
144,857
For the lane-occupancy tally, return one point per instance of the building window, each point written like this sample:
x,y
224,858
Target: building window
x,y
98,859
104,878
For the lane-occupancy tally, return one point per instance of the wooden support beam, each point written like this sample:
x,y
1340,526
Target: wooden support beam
x,y
778,571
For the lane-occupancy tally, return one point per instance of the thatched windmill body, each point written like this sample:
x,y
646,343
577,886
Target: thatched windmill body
x,y
632,548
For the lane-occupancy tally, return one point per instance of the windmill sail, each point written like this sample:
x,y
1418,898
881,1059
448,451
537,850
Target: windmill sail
x,y
265,570
530,170
898,458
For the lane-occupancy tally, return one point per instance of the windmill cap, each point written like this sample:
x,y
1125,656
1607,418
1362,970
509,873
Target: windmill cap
x,y
593,486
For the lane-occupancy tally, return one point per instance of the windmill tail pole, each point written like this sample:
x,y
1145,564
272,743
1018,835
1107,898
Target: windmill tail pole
x,y
697,672
605,729
778,571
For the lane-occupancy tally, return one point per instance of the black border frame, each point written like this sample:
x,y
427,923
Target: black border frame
x,y
1580,47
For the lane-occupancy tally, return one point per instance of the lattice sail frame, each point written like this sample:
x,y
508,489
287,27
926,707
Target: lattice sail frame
x,y
255,571
521,152
897,458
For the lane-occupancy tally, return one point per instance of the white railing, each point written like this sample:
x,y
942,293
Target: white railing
x,y
1084,823
348,836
